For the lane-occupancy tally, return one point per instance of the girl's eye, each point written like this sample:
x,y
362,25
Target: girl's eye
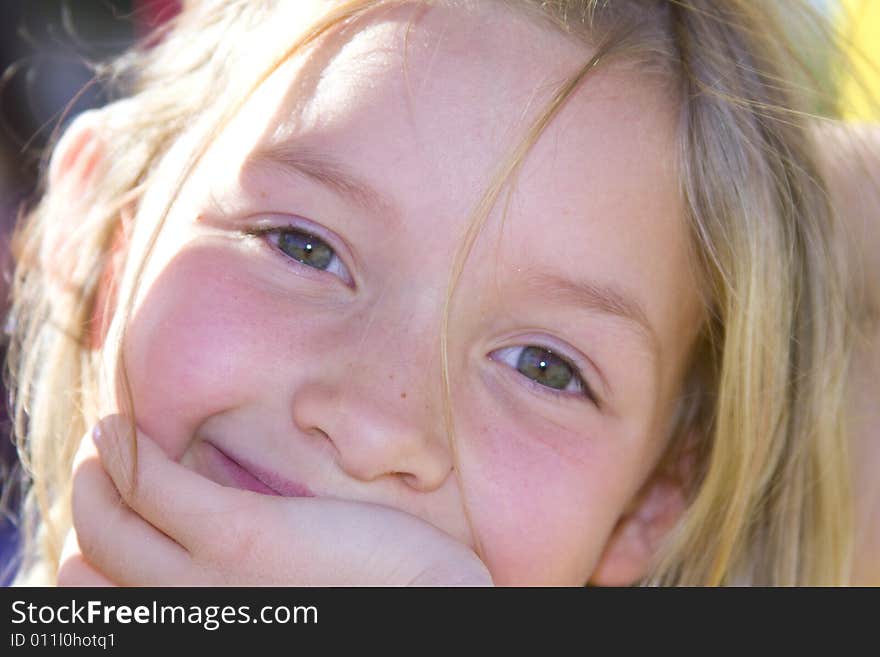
x,y
545,368
308,249
305,248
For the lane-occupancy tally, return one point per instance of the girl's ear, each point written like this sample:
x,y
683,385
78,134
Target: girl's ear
x,y
72,178
77,156
629,552
75,171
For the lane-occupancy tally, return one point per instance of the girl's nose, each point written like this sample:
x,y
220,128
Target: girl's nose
x,y
378,425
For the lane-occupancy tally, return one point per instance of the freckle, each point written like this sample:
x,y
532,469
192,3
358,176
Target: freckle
x,y
403,395
262,194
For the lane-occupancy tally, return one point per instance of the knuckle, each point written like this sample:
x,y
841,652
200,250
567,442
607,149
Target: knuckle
x,y
89,544
74,571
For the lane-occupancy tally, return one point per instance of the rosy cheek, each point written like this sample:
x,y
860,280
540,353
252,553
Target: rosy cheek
x,y
194,347
535,510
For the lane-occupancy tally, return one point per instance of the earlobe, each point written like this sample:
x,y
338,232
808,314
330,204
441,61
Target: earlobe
x,y
630,551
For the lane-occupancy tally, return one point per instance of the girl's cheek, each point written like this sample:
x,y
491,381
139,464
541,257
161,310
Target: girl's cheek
x,y
534,510
203,340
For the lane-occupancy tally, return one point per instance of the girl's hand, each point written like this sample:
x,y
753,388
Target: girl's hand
x,y
170,526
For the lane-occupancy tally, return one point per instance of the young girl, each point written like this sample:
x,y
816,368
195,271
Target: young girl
x,y
511,292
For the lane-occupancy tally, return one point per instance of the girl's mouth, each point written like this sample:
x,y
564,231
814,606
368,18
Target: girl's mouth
x,y
230,470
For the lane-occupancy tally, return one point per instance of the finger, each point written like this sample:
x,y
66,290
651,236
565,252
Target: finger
x,y
113,539
329,542
194,511
74,570
243,537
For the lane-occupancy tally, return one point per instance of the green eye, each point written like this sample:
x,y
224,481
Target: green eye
x,y
305,248
544,367
545,371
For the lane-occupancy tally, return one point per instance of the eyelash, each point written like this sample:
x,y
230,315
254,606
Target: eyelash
x,y
263,232
584,392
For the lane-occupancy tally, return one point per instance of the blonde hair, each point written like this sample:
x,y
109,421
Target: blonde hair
x,y
763,406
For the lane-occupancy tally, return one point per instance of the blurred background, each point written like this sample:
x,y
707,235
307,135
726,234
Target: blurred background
x,y
46,51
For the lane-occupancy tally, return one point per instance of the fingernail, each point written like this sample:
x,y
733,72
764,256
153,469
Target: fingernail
x,y
97,435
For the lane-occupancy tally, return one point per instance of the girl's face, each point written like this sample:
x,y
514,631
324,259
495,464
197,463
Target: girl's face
x,y
286,337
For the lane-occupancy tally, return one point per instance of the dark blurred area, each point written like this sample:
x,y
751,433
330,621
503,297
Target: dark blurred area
x,y
47,52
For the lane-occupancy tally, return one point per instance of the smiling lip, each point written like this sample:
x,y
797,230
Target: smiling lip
x,y
246,476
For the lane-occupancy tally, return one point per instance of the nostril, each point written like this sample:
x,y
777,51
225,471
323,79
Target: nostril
x,y
424,483
411,480
319,434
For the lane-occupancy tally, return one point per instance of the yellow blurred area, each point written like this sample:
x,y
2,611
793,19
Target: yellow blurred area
x,y
860,90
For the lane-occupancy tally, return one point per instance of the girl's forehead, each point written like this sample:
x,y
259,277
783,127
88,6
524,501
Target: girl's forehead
x,y
448,92
443,93
485,69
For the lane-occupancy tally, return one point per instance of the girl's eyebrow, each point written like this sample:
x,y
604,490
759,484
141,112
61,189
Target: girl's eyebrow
x,y
605,299
303,161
